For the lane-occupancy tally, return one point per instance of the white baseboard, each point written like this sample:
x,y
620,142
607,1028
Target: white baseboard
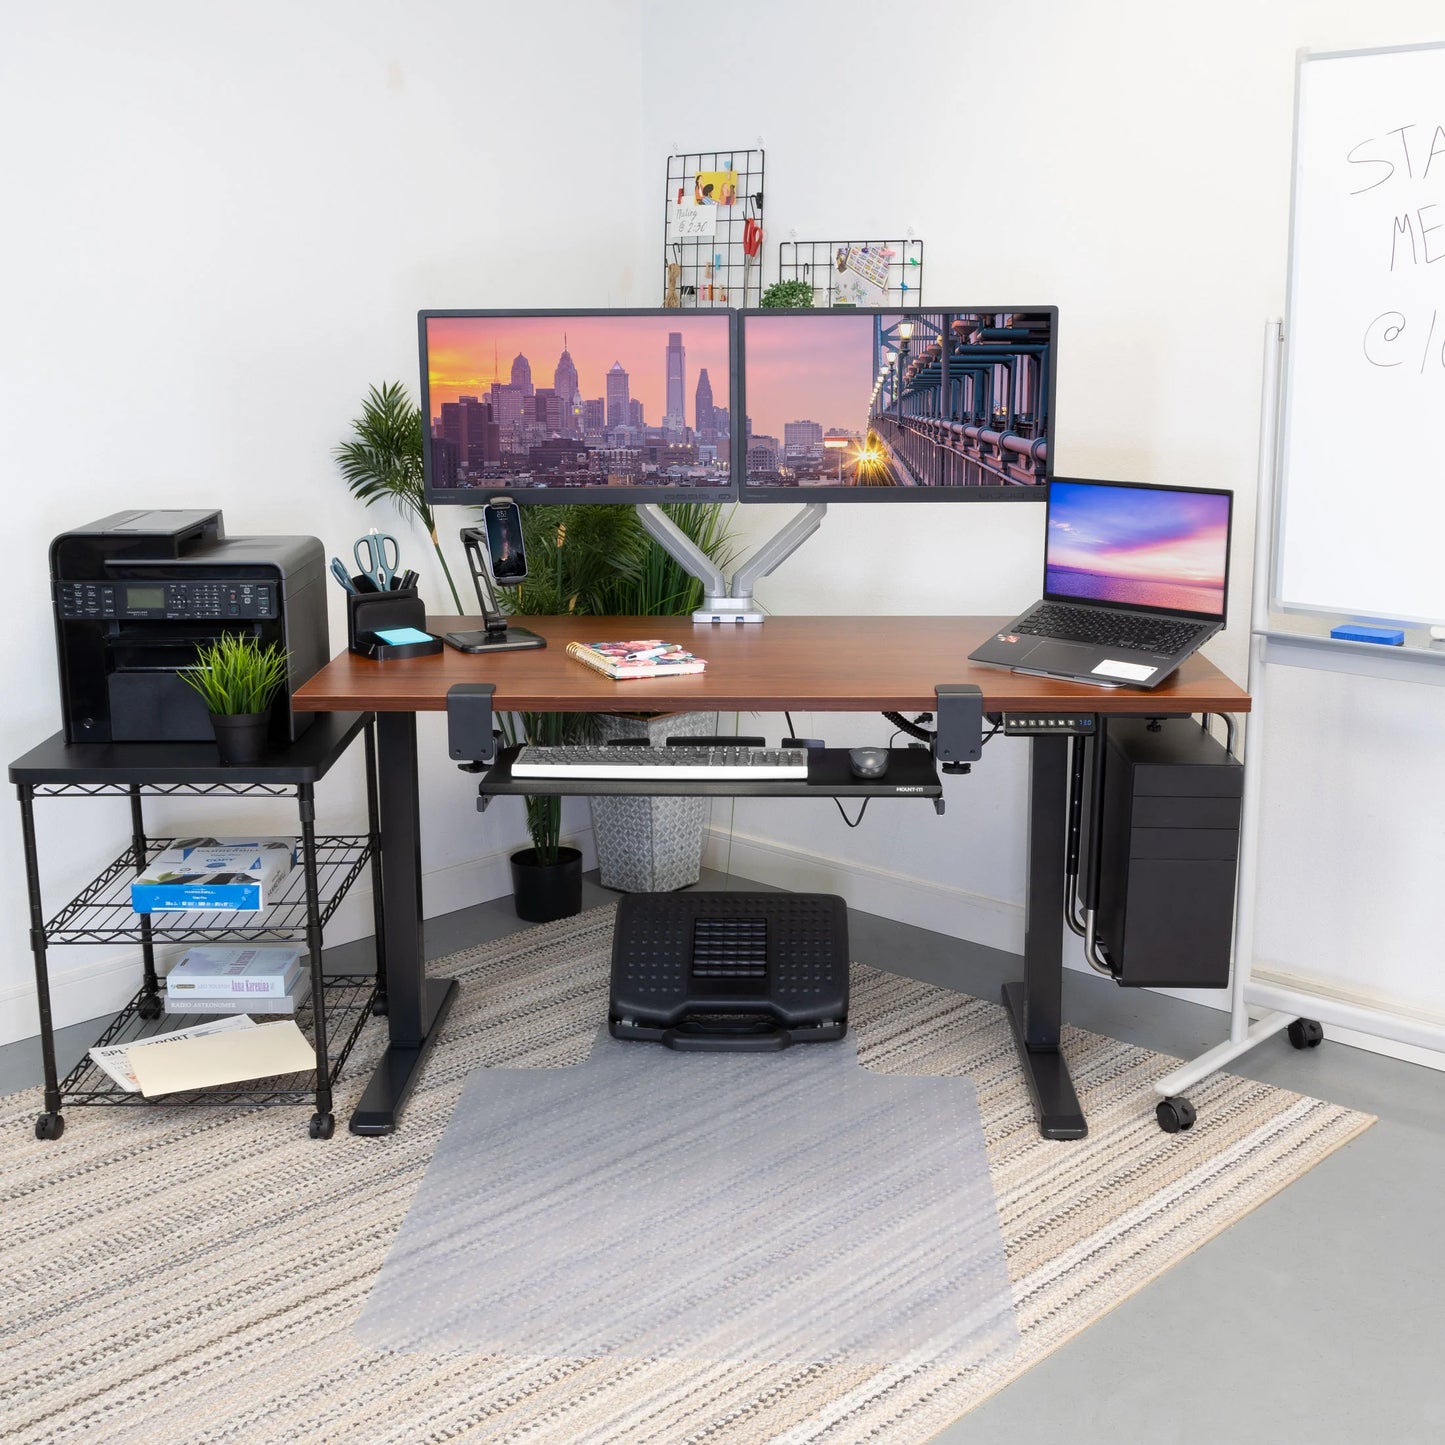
x,y
989,921
942,907
97,986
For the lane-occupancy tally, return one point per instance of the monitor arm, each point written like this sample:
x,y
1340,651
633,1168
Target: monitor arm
x,y
723,602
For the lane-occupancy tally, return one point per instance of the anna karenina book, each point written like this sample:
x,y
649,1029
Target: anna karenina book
x,y
217,971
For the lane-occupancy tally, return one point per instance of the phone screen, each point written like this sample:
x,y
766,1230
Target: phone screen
x,y
504,542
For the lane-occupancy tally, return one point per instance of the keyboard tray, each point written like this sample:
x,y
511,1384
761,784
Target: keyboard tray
x,y
911,774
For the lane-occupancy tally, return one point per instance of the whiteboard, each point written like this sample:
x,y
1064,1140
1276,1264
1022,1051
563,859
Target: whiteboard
x,y
1361,468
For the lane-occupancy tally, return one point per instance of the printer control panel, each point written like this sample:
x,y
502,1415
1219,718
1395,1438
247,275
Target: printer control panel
x,y
199,599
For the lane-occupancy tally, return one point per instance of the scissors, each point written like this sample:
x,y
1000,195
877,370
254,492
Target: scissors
x,y
377,556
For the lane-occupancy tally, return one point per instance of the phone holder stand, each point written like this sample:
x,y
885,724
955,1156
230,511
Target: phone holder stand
x,y
496,634
370,613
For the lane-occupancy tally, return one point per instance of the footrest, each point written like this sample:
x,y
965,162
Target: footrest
x,y
730,972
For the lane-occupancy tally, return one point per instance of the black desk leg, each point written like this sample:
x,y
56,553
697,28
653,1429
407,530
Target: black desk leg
x,y
26,794
416,1005
1035,1006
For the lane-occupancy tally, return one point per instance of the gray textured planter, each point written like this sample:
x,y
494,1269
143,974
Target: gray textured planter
x,y
651,845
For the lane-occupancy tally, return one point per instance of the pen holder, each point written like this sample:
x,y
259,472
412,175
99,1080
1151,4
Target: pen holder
x,y
368,613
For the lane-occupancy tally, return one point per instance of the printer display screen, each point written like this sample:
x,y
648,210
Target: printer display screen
x,y
137,598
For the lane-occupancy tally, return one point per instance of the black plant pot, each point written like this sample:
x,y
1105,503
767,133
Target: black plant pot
x,y
240,736
544,891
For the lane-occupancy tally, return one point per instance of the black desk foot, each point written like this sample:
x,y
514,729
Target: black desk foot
x,y
380,1105
1056,1106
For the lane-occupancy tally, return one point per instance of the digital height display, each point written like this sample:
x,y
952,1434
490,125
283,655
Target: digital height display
x,y
551,406
862,405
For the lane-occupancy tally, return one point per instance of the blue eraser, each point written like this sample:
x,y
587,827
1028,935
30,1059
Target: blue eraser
x,y
395,636
1356,632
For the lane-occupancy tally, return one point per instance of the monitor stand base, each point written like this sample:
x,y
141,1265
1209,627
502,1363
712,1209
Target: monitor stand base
x,y
728,609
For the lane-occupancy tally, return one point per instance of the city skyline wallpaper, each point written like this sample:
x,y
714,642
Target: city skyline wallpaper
x,y
466,354
1142,546
808,371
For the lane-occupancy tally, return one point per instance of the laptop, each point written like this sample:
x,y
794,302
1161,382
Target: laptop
x,y
1135,579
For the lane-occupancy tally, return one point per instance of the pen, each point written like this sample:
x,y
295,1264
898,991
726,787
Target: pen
x,y
406,581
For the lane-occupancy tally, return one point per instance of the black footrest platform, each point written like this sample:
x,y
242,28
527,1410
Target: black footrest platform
x,y
730,971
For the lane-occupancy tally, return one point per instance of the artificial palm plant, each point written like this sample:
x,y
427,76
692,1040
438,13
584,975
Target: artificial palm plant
x,y
383,461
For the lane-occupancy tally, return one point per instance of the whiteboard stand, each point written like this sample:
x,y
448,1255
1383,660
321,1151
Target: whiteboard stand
x,y
1282,1006
1243,1035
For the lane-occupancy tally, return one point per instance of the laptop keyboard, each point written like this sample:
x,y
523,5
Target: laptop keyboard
x,y
1109,629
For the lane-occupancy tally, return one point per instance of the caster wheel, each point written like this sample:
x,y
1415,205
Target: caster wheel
x,y
149,1007
323,1126
49,1126
380,1008
1175,1115
1306,1034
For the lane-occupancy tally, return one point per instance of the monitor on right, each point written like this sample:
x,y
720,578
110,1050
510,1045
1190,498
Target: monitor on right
x,y
892,405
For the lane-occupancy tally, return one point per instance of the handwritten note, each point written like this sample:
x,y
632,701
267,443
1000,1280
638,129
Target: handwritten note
x,y
689,222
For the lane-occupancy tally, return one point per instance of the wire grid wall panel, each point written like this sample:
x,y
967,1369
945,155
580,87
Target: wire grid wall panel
x,y
853,272
723,268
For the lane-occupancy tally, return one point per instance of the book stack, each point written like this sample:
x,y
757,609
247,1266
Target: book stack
x,y
262,979
210,874
650,657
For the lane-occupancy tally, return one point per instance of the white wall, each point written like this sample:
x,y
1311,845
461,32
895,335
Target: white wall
x,y
220,222
229,218
1129,162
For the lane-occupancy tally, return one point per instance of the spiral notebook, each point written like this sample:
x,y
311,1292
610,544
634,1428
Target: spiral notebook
x,y
648,657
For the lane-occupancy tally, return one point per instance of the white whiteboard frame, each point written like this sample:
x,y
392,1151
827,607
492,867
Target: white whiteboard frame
x,y
1276,519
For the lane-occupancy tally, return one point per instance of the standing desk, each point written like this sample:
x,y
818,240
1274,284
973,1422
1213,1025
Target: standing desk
x,y
807,664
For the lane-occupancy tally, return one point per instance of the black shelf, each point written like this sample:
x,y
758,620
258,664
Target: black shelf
x,y
349,1001
911,774
101,912
56,767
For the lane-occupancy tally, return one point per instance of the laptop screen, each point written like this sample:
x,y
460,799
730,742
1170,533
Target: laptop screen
x,y
1136,545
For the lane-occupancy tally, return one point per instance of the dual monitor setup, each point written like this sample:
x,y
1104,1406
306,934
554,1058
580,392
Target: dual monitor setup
x,y
811,406
877,405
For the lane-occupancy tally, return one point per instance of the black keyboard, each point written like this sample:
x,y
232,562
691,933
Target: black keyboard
x,y
1110,629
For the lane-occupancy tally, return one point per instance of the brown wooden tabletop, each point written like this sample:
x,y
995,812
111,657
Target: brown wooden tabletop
x,y
825,664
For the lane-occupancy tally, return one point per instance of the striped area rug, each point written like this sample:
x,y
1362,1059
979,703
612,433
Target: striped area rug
x,y
194,1276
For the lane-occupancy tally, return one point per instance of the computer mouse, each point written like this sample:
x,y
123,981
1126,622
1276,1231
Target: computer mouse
x,y
868,762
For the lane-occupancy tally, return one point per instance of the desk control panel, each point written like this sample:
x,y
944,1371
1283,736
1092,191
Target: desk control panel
x,y
1034,725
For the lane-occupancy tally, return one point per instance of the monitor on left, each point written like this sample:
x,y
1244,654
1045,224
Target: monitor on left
x,y
578,406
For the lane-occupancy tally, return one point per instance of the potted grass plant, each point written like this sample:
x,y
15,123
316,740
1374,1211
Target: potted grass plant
x,y
239,680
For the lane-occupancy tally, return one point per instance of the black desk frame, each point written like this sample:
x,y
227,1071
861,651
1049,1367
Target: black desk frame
x,y
419,1004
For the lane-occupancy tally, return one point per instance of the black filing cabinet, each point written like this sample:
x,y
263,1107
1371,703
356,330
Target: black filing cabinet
x,y
1168,851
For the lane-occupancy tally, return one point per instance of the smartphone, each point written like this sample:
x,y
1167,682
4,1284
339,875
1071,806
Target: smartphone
x,y
502,519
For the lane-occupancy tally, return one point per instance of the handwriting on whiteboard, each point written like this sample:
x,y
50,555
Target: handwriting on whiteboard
x,y
1409,162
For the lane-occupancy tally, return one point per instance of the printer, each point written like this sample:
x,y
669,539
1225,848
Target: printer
x,y
136,593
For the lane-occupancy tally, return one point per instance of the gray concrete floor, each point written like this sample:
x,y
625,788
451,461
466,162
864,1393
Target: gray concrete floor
x,y
1318,1317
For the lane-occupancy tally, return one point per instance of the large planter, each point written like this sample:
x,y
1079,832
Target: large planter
x,y
544,891
651,845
